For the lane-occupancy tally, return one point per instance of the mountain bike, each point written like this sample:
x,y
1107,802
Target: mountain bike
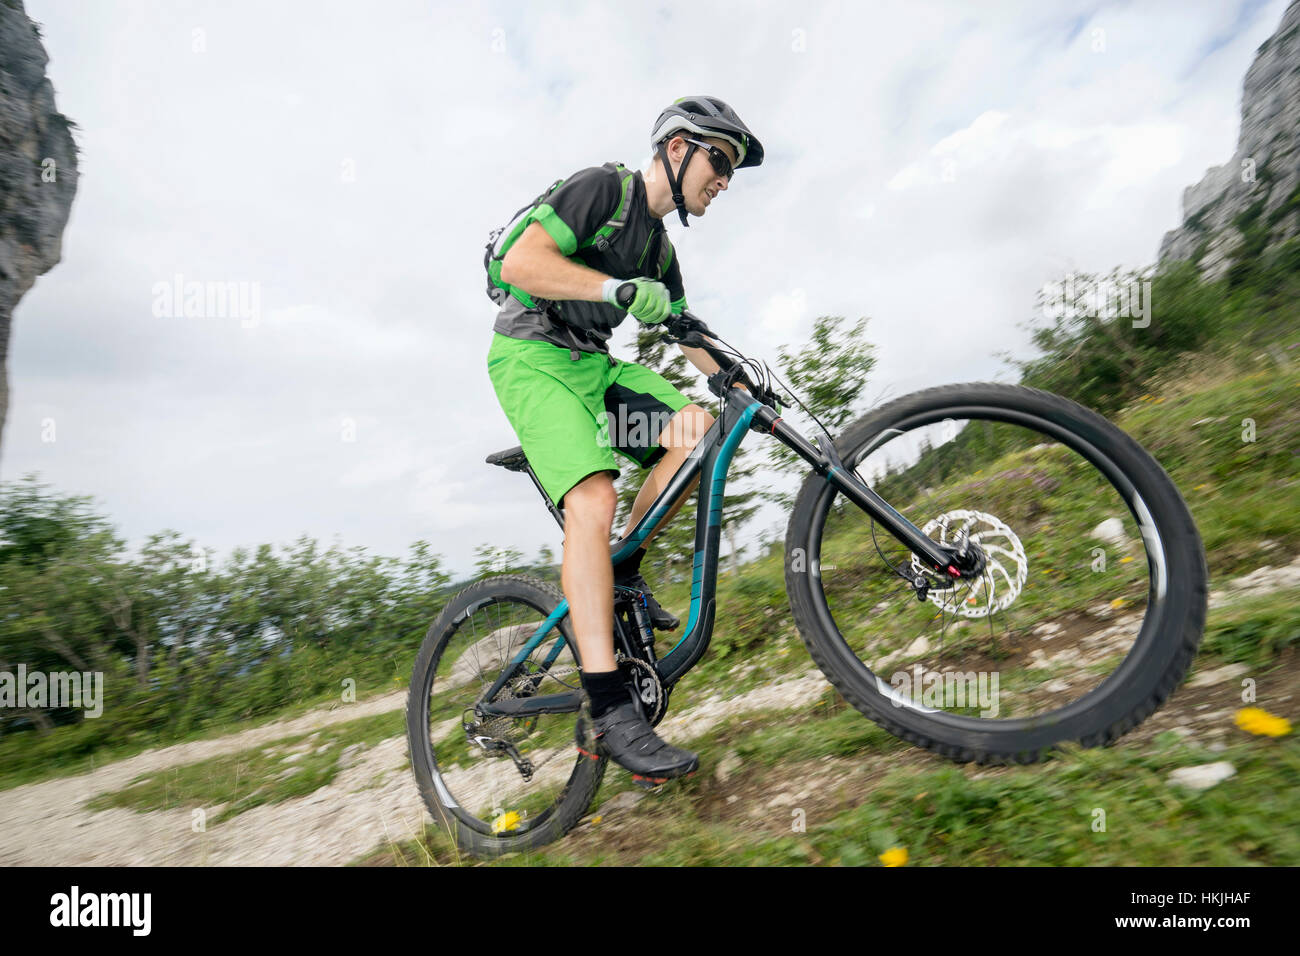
x,y
987,571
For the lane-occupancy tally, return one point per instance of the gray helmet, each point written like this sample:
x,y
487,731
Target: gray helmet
x,y
705,116
709,116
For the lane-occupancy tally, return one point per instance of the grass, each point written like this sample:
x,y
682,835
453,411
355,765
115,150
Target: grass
x,y
48,762
1051,816
868,791
1253,630
882,793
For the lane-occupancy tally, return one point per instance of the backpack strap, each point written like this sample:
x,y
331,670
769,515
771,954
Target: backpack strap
x,y
497,289
665,255
601,239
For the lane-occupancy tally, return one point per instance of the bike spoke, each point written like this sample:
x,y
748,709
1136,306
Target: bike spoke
x,y
504,773
1060,549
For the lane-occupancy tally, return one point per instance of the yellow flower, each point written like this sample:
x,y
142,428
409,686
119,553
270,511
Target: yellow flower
x,y
1256,721
1118,603
507,821
895,856
1126,559
595,820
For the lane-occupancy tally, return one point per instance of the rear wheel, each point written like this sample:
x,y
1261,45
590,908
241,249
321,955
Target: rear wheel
x,y
498,784
1084,609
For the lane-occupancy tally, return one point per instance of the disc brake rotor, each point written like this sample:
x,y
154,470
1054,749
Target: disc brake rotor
x,y
1003,576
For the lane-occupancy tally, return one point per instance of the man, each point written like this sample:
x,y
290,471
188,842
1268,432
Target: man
x,y
549,364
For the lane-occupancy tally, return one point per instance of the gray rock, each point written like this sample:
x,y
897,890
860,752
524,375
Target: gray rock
x,y
620,802
33,210
1111,531
349,755
1202,777
918,647
1218,675
1228,197
728,765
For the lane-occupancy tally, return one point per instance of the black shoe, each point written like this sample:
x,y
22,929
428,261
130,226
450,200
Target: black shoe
x,y
624,736
660,619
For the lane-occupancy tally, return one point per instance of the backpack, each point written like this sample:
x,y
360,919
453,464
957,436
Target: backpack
x,y
501,239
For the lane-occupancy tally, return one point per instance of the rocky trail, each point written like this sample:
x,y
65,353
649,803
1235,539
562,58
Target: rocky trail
x,y
373,799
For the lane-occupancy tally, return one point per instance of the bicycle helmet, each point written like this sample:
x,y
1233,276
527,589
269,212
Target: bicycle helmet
x,y
704,116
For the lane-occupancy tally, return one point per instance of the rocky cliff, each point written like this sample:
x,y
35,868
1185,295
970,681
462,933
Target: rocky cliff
x,y
38,172
1252,202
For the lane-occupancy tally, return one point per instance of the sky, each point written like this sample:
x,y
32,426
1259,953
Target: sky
x,y
929,166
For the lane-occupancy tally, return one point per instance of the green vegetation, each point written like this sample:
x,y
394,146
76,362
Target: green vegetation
x,y
872,792
190,649
1254,630
1106,362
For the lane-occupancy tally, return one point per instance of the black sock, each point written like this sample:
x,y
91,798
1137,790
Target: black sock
x,y
606,691
629,565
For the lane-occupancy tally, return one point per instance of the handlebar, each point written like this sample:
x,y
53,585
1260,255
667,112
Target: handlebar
x,y
689,330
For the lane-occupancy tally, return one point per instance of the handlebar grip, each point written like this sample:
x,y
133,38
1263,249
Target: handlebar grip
x,y
625,294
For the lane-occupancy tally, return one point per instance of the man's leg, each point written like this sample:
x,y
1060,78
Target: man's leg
x,y
680,436
587,575
588,580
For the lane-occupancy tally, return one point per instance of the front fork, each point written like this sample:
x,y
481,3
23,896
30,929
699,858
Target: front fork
x,y
963,561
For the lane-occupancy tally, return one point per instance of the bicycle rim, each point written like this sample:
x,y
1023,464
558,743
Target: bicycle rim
x,y
478,762
1070,601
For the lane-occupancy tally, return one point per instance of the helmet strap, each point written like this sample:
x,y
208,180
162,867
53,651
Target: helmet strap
x,y
676,184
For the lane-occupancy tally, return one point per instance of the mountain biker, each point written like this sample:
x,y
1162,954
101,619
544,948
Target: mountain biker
x,y
556,380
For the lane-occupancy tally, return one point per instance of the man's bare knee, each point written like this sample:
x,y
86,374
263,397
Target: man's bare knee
x,y
592,502
686,428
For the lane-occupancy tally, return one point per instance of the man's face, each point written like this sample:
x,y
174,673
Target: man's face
x,y
701,185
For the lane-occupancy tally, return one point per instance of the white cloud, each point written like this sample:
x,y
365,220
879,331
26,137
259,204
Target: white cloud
x,y
227,165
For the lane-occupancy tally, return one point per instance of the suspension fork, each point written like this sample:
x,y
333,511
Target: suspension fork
x,y
825,460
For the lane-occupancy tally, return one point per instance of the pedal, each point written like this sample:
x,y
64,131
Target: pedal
x,y
654,783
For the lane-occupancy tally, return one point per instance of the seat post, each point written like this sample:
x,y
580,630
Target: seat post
x,y
550,505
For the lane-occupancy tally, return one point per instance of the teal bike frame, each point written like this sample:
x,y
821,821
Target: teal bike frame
x,y
710,459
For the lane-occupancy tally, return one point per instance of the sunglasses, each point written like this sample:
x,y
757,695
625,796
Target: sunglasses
x,y
717,158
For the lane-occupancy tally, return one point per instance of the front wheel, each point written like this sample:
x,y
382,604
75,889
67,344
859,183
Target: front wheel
x,y
498,784
1087,601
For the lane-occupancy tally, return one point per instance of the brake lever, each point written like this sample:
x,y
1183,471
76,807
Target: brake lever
x,y
691,339
685,329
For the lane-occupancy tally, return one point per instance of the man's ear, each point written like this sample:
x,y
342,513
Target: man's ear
x,y
681,152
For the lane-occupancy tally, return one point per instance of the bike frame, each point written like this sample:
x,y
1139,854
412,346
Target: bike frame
x,y
710,460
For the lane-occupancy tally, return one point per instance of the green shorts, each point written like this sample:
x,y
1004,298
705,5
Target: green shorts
x,y
572,415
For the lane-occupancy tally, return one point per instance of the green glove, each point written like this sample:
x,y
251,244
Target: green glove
x,y
651,305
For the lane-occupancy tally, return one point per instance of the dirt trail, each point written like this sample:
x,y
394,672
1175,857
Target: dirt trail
x,y
368,804
372,801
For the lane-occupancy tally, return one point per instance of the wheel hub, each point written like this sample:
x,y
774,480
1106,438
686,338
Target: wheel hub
x,y
989,555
